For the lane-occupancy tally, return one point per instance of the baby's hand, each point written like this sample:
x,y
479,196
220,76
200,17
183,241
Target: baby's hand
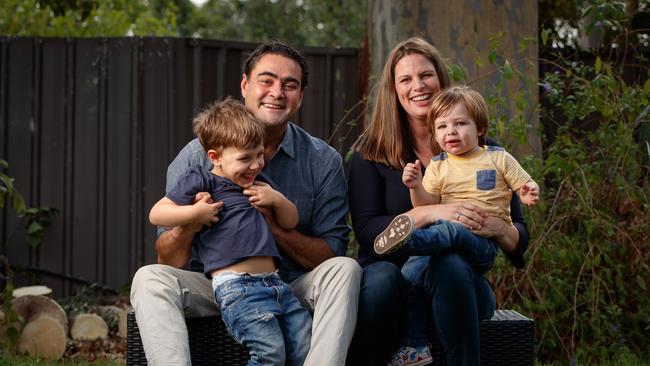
x,y
206,211
261,194
412,175
529,193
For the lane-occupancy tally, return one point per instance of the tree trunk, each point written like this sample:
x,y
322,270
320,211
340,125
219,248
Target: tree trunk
x,y
461,30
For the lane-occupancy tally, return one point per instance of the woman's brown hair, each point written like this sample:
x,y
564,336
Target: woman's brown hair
x,y
387,138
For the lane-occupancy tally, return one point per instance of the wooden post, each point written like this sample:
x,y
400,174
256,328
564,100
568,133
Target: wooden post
x,y
461,31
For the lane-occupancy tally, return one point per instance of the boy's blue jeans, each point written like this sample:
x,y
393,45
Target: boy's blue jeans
x,y
262,313
426,245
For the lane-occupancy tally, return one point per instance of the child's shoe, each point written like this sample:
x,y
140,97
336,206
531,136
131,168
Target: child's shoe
x,y
395,235
409,356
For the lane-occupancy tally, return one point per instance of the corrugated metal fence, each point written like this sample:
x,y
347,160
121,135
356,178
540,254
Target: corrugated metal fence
x,y
89,126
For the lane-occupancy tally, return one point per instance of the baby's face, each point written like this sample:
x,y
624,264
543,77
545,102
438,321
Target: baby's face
x,y
456,132
239,165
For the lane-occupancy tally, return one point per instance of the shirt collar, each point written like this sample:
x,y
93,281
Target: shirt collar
x,y
287,143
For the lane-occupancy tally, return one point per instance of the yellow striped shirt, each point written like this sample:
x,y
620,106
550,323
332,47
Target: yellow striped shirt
x,y
486,177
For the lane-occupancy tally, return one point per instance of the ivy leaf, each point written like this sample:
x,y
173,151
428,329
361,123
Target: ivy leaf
x,y
19,204
545,34
599,64
507,70
640,281
34,228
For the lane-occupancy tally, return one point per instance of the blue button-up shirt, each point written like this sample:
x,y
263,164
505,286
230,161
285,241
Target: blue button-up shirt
x,y
308,172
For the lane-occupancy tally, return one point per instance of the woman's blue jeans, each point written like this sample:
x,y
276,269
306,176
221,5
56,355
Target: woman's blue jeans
x,y
444,273
263,314
377,334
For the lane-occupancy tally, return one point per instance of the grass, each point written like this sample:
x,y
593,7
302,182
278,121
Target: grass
x,y
33,361
625,359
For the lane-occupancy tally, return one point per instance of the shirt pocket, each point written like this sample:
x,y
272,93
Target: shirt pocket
x,y
486,180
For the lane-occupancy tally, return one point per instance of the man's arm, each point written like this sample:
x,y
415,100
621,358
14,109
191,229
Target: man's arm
x,y
325,235
306,251
174,246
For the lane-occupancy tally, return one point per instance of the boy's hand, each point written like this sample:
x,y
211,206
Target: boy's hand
x,y
261,195
529,193
412,175
205,210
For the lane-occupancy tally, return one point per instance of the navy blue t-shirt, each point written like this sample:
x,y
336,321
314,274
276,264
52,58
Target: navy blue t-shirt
x,y
241,232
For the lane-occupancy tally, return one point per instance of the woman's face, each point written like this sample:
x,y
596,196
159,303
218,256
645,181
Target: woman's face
x,y
416,83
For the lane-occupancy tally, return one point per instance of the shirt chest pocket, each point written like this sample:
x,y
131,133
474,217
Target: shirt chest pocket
x,y
486,179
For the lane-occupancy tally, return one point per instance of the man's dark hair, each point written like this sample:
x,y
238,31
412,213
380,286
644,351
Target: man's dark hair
x,y
277,48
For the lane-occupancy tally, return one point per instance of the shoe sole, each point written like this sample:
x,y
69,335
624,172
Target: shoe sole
x,y
395,235
421,363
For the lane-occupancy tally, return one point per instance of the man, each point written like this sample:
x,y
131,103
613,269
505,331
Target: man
x,y
310,174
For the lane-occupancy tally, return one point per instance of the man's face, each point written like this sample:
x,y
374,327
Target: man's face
x,y
272,92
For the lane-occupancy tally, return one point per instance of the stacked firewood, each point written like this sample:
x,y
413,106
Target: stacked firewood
x,y
44,326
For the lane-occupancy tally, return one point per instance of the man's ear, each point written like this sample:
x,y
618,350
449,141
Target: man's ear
x,y
243,85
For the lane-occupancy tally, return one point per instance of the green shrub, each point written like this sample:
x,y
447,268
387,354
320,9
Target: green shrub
x,y
587,275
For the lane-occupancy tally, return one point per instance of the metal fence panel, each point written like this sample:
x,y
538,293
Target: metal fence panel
x,y
89,125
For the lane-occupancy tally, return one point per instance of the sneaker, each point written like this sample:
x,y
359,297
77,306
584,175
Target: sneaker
x,y
409,356
395,235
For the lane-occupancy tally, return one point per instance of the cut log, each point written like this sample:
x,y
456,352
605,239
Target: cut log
x,y
32,290
43,337
115,317
46,326
88,327
30,307
121,325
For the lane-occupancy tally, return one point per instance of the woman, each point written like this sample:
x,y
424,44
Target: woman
x,y
397,134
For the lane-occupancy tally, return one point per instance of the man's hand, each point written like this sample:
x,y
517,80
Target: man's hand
x,y
412,175
529,193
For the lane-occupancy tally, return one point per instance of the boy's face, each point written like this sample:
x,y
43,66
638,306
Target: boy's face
x,y
456,132
241,166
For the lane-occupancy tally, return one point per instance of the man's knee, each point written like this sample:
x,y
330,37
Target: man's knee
x,y
154,279
346,268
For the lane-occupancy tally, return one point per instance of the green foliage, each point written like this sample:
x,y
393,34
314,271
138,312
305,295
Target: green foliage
x,y
10,322
588,273
86,18
300,22
35,221
7,191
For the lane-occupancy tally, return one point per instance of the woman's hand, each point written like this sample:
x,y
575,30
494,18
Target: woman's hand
x,y
505,234
471,216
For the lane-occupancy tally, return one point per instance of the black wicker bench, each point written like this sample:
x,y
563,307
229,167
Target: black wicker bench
x,y
506,339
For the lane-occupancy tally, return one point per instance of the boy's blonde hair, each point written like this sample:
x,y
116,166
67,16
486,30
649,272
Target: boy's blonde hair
x,y
228,124
447,99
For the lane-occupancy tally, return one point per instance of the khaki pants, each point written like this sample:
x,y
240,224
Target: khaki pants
x,y
163,296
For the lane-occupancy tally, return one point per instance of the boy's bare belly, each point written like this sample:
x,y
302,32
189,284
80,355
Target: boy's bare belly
x,y
250,265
